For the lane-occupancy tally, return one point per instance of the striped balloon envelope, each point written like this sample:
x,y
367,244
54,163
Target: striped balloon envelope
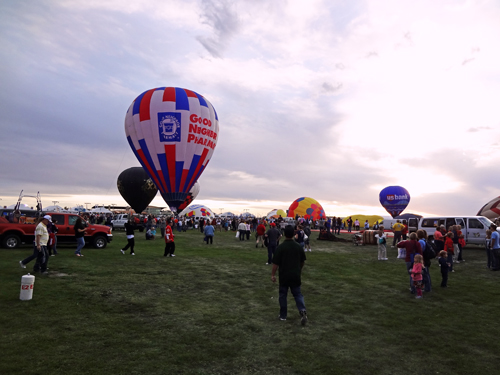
x,y
191,196
173,133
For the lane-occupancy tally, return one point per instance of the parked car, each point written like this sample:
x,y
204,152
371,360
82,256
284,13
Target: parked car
x,y
121,219
13,235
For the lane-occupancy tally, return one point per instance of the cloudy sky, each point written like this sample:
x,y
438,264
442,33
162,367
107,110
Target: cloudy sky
x,y
328,99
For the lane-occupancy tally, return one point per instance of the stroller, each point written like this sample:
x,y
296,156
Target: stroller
x,y
357,239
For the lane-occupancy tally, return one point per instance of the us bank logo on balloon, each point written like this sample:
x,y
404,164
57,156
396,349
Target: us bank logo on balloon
x,y
169,126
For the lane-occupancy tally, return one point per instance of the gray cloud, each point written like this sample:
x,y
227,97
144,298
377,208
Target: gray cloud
x,y
328,87
221,17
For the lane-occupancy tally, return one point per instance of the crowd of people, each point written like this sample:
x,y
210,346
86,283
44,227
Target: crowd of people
x,y
287,256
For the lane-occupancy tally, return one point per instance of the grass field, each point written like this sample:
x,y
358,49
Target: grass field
x,y
213,310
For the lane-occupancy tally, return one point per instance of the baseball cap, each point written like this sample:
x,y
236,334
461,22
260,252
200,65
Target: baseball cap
x,y
273,225
48,217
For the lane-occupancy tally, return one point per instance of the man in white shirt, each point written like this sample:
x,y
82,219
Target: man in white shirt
x,y
41,239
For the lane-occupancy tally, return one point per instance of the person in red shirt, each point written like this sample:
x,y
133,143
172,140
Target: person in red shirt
x,y
169,240
438,239
448,247
261,231
404,232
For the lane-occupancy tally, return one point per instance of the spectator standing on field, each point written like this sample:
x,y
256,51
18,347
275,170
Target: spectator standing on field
x,y
261,231
398,230
448,247
307,244
349,225
495,247
289,259
404,231
162,224
489,256
41,239
25,261
412,247
273,235
209,232
169,240
445,266
52,244
381,241
438,240
242,229
79,229
129,231
428,254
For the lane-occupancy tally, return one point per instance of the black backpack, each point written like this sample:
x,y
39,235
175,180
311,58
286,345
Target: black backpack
x,y
430,250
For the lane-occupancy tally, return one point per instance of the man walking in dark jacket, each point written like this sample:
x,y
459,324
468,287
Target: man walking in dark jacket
x,y
289,260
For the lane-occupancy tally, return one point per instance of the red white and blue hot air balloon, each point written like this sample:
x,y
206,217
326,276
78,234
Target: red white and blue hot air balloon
x,y
173,133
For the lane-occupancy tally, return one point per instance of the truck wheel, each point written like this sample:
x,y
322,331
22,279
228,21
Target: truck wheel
x,y
11,241
99,242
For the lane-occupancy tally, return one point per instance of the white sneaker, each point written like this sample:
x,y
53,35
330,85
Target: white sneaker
x,y
172,255
22,264
132,254
123,252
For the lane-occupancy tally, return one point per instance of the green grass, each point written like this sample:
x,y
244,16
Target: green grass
x,y
213,310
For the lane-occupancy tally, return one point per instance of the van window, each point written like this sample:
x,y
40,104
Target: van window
x,y
461,222
486,222
429,223
449,223
475,224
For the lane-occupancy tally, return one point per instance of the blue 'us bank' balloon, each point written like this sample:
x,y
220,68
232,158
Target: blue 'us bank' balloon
x,y
394,199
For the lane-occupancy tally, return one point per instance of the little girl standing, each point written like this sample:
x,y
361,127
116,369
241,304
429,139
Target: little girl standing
x,y
381,241
416,274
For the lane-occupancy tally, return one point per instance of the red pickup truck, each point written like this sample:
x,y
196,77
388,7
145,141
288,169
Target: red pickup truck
x,y
12,235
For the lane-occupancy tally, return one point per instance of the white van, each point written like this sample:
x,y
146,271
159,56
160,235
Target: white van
x,y
473,227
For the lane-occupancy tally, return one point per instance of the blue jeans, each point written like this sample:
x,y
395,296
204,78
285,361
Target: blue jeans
x,y
32,256
426,278
271,248
299,299
80,243
41,260
450,260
